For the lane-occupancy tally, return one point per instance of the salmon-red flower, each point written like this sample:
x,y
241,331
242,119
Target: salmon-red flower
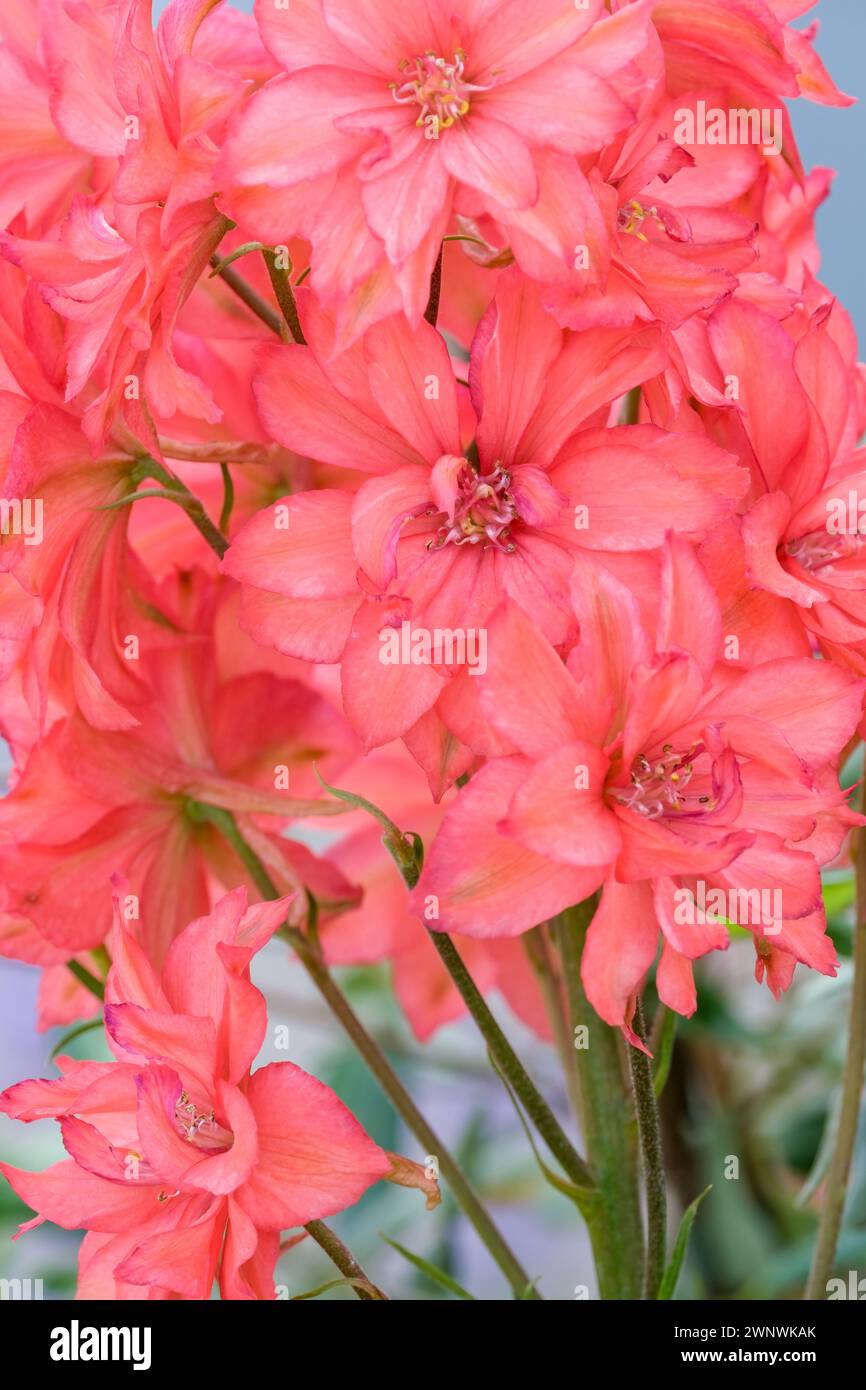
x,y
184,1164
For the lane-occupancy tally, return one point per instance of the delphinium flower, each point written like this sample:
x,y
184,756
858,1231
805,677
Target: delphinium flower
x,y
495,327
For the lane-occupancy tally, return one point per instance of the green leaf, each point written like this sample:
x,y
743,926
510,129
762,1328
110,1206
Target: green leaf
x,y
437,1275
670,1279
838,895
528,1291
228,497
825,1151
333,1284
665,1051
579,1195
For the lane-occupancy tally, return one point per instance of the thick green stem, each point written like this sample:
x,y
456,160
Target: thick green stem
x,y
461,1189
836,1185
612,1212
342,1258
650,1133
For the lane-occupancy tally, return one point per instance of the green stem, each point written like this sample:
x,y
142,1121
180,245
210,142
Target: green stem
x,y
463,1192
177,491
219,263
537,947
228,497
534,1104
405,850
613,1210
631,408
248,296
84,977
342,1258
655,1187
836,1185
431,313
282,287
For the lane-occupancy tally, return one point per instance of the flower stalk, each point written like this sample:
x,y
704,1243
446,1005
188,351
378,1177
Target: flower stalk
x,y
463,1192
612,1210
342,1258
836,1185
655,1188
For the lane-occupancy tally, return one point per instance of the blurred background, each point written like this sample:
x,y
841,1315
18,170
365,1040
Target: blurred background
x,y
752,1085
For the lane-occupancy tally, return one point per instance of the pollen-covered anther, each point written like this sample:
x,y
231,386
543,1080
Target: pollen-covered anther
x,y
658,786
191,1120
820,550
482,513
632,216
439,87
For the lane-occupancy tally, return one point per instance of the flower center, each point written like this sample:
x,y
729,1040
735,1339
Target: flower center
x,y
820,549
437,86
200,1127
632,216
482,512
657,787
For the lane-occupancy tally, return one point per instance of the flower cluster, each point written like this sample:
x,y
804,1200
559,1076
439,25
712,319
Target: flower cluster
x,y
438,400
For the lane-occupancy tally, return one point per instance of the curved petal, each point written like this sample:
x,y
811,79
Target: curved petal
x,y
815,705
314,1157
501,888
403,200
300,547
764,528
562,105
249,1257
544,709
287,133
518,37
183,1260
77,1200
620,948
491,158
314,629
384,697
675,981
411,374
514,347
301,408
559,809
186,1043
381,508
690,618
